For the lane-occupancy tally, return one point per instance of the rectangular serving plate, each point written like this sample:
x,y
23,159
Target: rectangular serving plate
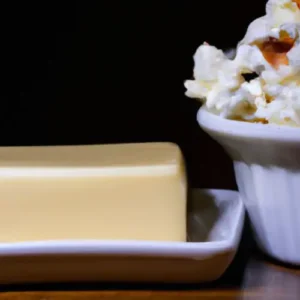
x,y
215,222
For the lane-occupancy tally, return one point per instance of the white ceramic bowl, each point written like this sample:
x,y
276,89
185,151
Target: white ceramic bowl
x,y
267,169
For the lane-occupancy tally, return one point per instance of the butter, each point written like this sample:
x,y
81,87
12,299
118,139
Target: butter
x,y
107,192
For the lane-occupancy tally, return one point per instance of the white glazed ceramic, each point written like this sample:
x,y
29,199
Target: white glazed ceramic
x,y
267,169
215,221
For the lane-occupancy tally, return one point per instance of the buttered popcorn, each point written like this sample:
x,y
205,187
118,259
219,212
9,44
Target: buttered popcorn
x,y
270,51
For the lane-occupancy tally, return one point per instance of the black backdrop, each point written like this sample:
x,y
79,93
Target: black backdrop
x,y
85,72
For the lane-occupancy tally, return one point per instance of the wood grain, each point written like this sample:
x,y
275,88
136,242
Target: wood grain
x,y
261,279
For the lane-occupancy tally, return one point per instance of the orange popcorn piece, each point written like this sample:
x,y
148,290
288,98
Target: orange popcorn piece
x,y
275,51
297,2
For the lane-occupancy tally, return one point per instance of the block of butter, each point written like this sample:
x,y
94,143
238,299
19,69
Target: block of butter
x,y
106,192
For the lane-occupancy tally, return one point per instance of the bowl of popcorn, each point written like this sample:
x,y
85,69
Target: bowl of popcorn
x,y
251,106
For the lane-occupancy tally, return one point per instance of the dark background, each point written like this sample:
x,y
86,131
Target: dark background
x,y
86,72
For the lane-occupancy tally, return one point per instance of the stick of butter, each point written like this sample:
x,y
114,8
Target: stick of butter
x,y
121,191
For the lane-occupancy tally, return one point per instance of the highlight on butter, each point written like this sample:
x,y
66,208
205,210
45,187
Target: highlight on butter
x,y
107,192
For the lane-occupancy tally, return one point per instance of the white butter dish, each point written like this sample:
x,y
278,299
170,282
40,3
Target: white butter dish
x,y
215,221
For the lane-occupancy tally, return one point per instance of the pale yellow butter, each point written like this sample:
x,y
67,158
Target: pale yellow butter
x,y
124,191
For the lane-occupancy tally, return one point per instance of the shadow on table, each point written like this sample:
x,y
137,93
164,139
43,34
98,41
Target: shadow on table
x,y
274,261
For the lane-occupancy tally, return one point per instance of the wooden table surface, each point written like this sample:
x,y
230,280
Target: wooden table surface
x,y
250,276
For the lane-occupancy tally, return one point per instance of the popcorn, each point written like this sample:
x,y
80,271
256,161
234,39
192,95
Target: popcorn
x,y
271,51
